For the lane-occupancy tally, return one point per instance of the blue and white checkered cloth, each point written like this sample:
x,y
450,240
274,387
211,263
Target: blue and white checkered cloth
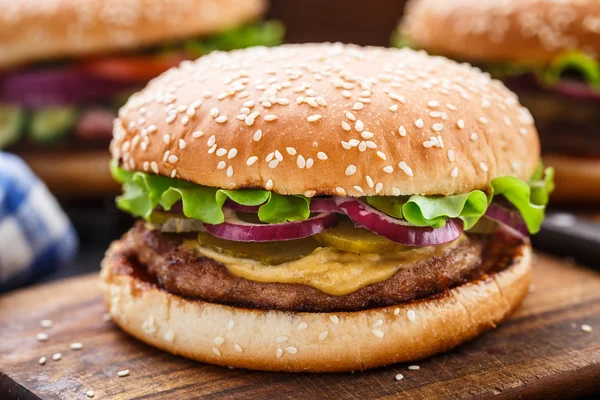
x,y
36,236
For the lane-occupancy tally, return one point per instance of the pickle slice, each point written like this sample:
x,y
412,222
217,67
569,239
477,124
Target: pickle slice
x,y
270,253
345,236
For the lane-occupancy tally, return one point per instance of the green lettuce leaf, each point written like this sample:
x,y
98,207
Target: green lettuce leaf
x,y
529,198
143,192
264,33
584,65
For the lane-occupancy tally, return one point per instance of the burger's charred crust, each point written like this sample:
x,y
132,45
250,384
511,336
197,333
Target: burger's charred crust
x,y
158,257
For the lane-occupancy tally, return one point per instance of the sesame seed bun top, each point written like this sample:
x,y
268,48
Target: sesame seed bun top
x,y
34,30
504,30
327,119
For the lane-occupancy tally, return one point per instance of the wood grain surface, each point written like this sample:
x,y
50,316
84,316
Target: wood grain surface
x,y
540,352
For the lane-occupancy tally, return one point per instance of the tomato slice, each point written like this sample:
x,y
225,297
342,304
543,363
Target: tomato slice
x,y
131,68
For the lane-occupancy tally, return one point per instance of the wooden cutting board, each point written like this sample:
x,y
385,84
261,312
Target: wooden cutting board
x,y
541,352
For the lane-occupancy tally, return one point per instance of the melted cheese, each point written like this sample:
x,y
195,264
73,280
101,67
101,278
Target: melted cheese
x,y
332,271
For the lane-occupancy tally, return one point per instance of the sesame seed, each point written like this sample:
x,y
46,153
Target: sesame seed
x,y
212,149
473,137
313,118
346,126
379,322
378,333
229,171
381,155
218,341
279,353
310,193
393,108
350,116
76,346
396,311
173,158
282,339
269,184
214,112
346,94
221,165
211,140
378,187
358,188
404,167
173,173
221,120
358,106
334,319
170,336
483,166
257,135
388,169
42,360
523,131
402,130
167,139
46,323
414,367
42,337
57,356
460,123
483,120
433,103
321,156
154,167
291,350
340,191
359,126
171,118
232,153
185,120
451,156
309,163
273,164
454,172
399,377
586,328
395,191
437,127
346,145
367,135
428,143
300,161
323,335
216,352
270,117
369,181
182,144
419,123
197,134
411,315
350,170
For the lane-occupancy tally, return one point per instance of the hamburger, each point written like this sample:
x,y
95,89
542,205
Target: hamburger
x,y
548,53
66,66
321,207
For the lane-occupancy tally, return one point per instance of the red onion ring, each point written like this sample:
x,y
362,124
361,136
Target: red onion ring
x,y
34,89
240,231
508,218
576,90
397,230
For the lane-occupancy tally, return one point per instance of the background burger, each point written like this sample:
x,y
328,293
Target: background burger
x,y
67,66
322,207
548,52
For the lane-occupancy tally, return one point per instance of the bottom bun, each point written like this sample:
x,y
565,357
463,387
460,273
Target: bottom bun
x,y
84,173
272,340
577,178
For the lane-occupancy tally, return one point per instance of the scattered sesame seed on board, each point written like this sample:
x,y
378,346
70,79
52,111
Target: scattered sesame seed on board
x,y
414,367
76,346
42,360
46,323
123,373
399,377
56,356
42,337
586,328
90,393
